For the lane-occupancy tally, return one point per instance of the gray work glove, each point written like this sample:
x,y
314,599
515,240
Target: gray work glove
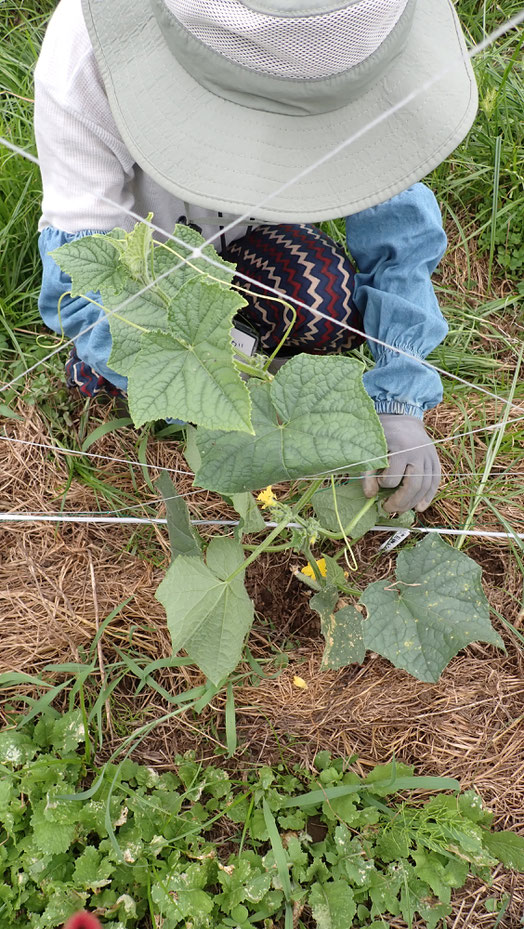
x,y
418,468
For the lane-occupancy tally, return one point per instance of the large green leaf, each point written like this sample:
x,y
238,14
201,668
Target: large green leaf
x,y
435,607
349,499
342,630
188,372
315,416
208,615
91,262
332,904
127,324
109,260
170,325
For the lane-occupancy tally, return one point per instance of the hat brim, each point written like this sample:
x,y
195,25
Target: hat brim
x,y
215,153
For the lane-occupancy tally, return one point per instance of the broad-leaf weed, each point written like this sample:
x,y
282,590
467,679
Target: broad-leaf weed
x,y
196,845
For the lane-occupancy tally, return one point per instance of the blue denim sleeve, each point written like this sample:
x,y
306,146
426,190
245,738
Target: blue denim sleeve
x,y
76,313
397,246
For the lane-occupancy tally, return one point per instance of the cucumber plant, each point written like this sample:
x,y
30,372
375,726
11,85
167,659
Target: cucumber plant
x,y
170,313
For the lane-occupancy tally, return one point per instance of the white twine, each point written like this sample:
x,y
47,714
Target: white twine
x,y
159,521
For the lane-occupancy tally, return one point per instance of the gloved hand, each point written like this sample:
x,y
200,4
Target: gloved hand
x,y
418,468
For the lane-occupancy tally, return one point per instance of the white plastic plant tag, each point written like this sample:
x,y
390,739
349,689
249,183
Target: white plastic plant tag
x,y
244,341
394,540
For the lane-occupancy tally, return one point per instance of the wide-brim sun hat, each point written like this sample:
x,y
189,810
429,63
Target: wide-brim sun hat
x,y
224,103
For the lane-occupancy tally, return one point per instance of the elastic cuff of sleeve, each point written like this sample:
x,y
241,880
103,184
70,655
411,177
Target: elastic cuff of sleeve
x,y
397,406
384,355
53,232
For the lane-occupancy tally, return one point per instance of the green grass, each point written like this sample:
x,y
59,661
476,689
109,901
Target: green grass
x,y
22,28
481,184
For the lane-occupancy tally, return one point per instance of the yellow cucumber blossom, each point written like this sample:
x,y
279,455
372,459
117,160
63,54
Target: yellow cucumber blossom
x,y
267,497
321,565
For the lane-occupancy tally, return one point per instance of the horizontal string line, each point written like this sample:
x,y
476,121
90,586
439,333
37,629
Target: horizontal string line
x,y
74,451
159,521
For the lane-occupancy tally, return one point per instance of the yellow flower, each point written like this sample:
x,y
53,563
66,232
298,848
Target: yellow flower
x,y
300,682
267,497
321,565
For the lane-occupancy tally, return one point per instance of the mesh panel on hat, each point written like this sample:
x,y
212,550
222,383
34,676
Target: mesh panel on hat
x,y
303,47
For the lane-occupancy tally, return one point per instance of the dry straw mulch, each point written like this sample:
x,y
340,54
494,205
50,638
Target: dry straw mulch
x,y
58,583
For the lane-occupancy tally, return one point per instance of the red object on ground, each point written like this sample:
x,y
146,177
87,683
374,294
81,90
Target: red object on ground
x,y
83,921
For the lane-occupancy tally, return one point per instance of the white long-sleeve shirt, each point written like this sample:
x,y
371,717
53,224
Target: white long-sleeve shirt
x,y
83,160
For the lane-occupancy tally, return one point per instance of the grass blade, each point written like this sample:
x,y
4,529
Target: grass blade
x,y
9,678
492,452
494,208
390,786
231,726
105,623
111,426
316,797
278,851
8,413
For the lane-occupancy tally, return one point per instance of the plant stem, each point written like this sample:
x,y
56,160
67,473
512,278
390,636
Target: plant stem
x,y
351,591
285,336
313,565
304,499
270,548
340,535
245,368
